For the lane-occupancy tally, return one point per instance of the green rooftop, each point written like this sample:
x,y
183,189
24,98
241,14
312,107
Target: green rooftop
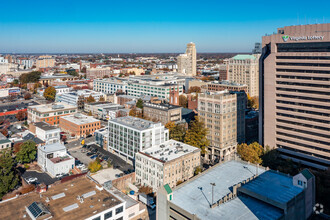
x,y
168,189
307,174
244,57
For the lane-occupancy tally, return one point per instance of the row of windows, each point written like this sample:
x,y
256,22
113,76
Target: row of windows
x,y
303,64
304,47
303,104
302,77
304,57
303,131
303,98
303,124
302,84
303,145
302,71
303,91
303,111
304,138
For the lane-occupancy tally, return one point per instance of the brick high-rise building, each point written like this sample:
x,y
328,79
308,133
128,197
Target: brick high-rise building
x,y
295,93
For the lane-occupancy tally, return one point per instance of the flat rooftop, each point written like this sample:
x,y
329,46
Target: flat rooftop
x,y
161,106
274,186
52,147
170,150
52,107
61,159
195,196
100,201
45,126
135,123
80,119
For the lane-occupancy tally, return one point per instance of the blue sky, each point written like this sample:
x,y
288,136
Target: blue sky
x,y
148,26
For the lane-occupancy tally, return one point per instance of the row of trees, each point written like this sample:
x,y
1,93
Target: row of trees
x,y
196,135
9,177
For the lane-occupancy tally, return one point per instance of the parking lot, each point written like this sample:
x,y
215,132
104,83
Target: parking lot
x,y
84,154
41,177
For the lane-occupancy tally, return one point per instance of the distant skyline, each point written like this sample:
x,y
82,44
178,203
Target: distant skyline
x,y
148,26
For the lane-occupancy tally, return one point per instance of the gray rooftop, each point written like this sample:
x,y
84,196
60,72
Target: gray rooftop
x,y
49,148
195,195
135,123
45,126
80,119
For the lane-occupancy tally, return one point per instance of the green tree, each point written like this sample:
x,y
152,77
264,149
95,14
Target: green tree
x,y
72,72
198,170
176,132
90,113
33,76
252,102
50,93
8,175
183,102
196,89
197,135
27,153
139,103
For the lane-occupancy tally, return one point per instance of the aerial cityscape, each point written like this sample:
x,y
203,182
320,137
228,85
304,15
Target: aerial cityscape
x,y
172,111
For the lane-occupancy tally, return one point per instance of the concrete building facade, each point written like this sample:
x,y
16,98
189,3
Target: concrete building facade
x,y
218,110
163,113
169,163
109,85
45,62
46,132
294,93
244,69
187,63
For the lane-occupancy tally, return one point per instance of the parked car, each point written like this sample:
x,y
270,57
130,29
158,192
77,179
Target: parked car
x,y
89,154
31,179
93,157
148,200
59,175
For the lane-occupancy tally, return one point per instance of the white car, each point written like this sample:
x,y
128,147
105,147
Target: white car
x,y
31,179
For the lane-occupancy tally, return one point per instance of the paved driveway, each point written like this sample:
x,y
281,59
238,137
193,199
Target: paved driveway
x,y
42,177
76,153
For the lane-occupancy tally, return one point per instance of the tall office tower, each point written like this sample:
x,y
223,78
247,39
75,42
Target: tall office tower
x,y
218,110
45,62
244,69
295,93
187,61
257,48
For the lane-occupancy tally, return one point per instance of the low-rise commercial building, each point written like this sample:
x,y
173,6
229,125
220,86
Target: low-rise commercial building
x,y
79,125
79,198
129,135
98,72
169,163
54,159
4,142
49,113
103,110
46,132
163,113
246,192
5,92
45,62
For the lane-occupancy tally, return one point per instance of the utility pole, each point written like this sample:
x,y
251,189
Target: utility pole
x,y
213,185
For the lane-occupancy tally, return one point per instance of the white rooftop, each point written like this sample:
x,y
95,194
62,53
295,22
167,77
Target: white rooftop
x,y
135,123
52,107
80,119
170,150
52,147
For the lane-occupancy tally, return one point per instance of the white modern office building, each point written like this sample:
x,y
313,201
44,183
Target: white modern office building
x,y
109,85
71,98
129,135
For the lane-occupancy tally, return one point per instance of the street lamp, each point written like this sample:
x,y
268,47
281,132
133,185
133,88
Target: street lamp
x,y
213,185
